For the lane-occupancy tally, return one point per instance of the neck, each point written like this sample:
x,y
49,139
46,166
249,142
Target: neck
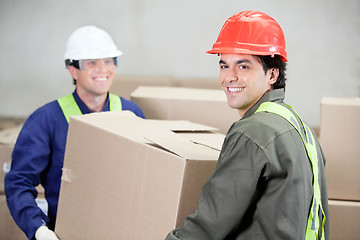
x,y
94,102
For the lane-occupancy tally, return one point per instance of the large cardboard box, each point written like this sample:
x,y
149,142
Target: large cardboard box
x,y
339,137
344,220
124,85
202,83
128,178
204,106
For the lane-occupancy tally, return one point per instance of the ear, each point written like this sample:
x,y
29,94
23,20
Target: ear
x,y
274,74
73,72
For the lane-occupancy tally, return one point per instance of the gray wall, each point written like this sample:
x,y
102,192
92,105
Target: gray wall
x,y
170,37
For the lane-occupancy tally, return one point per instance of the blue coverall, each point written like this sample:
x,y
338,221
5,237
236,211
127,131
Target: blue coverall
x,y
38,159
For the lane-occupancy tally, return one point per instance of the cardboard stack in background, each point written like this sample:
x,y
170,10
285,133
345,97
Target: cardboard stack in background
x,y
8,229
129,178
204,106
339,138
124,85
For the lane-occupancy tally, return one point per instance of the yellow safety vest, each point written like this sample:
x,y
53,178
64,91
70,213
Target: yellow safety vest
x,y
69,106
312,228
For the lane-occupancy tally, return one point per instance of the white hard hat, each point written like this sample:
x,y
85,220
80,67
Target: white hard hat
x,y
90,42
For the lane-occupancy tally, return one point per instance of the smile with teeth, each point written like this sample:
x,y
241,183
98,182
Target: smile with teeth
x,y
235,89
101,79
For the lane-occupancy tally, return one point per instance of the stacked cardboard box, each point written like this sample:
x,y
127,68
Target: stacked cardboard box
x,y
339,137
124,85
129,178
204,106
8,229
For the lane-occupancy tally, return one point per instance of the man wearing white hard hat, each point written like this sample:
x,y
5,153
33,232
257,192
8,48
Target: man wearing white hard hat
x,y
91,58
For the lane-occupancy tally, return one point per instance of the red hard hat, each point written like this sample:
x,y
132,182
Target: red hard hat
x,y
253,33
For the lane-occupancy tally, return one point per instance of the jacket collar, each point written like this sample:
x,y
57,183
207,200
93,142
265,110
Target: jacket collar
x,y
276,95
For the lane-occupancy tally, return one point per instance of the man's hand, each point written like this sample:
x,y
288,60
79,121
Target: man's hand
x,y
43,233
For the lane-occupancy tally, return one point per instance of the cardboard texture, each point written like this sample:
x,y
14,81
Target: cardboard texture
x,y
203,83
129,178
124,85
339,138
204,106
344,220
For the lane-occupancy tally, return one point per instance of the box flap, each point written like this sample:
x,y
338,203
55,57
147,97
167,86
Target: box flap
x,y
161,133
184,148
180,125
212,140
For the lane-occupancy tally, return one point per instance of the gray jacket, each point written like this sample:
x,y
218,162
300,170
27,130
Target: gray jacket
x,y
262,185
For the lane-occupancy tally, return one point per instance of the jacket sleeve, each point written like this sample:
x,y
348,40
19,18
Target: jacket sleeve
x,y
132,106
29,159
229,194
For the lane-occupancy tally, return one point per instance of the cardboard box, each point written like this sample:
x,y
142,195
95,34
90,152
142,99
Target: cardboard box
x,y
129,178
344,220
204,106
339,138
203,83
8,229
124,85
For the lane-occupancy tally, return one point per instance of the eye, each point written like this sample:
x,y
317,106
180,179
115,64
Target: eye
x,y
243,67
90,63
109,61
223,66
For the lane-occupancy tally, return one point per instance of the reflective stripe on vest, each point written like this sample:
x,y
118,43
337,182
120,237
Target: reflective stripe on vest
x,y
312,228
70,108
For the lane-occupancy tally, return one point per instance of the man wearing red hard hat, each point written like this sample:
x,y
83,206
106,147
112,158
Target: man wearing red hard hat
x,y
269,182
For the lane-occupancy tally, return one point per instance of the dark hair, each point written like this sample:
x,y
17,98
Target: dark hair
x,y
74,63
268,62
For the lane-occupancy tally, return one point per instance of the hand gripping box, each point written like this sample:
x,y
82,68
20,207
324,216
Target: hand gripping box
x,y
129,178
339,138
204,106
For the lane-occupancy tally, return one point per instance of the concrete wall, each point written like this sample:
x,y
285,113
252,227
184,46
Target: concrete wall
x,y
170,37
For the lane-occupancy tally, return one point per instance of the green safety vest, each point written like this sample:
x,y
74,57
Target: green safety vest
x,y
69,106
312,228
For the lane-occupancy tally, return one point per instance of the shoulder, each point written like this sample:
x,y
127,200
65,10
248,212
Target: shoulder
x,y
46,115
262,128
49,110
131,106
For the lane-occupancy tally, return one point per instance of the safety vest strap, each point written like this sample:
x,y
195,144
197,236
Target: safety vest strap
x,y
115,102
312,228
70,108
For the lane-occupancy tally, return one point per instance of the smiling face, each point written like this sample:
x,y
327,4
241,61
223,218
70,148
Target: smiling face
x,y
93,82
244,81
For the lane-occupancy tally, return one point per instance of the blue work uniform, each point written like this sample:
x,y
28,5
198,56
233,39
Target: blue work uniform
x,y
38,158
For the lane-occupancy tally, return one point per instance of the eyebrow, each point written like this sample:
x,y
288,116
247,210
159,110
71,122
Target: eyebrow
x,y
237,62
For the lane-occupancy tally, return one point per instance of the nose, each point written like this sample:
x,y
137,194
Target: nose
x,y
231,75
